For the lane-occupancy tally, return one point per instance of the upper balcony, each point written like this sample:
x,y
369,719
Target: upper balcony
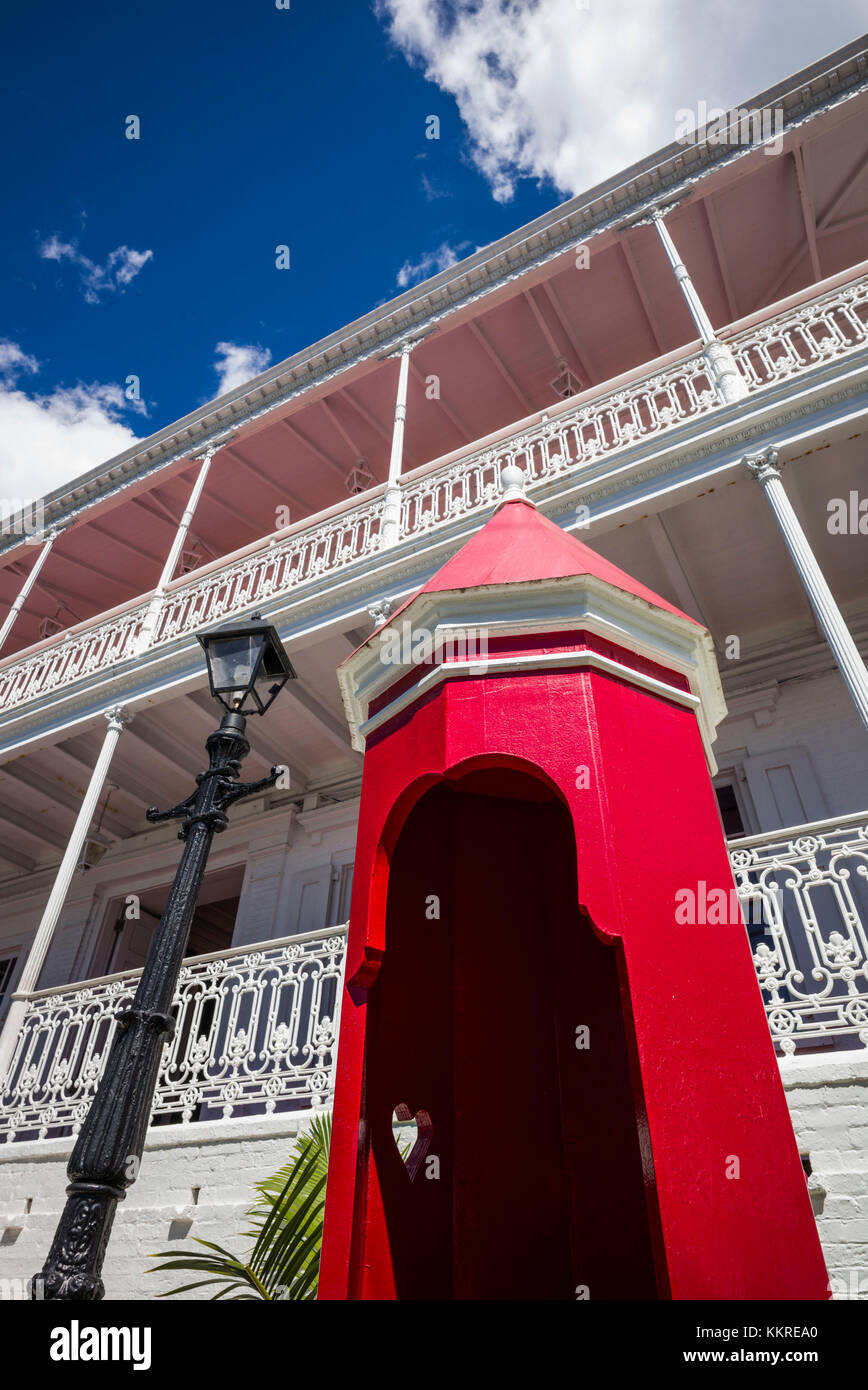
x,y
794,360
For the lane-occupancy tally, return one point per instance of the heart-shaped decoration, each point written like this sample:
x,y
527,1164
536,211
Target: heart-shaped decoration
x,y
412,1135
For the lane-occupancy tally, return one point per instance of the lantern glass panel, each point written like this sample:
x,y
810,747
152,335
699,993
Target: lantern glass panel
x,y
270,679
233,664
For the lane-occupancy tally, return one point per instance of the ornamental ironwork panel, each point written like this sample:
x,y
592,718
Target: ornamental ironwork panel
x,y
255,1032
805,889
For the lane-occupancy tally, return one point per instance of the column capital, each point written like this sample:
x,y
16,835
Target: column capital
x,y
117,717
380,611
763,464
403,351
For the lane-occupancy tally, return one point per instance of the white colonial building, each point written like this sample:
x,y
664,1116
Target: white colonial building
x,y
678,361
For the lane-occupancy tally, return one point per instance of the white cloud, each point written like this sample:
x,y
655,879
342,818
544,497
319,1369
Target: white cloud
x,y
432,190
430,264
573,91
122,265
240,362
14,361
47,440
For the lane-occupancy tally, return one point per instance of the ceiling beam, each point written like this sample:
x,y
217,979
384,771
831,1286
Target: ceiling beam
x,y
304,507
37,830
464,433
165,516
822,223
374,424
495,357
82,769
633,270
21,861
87,565
232,510
335,420
122,540
718,243
333,728
683,589
314,449
145,782
808,214
857,220
588,375
551,342
558,351
57,790
179,755
159,511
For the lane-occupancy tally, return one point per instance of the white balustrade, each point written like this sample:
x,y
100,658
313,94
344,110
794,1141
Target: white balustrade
x,y
806,890
255,1032
768,353
256,1028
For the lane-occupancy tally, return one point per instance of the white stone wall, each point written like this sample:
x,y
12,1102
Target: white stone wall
x,y
296,876
808,715
223,1159
828,1099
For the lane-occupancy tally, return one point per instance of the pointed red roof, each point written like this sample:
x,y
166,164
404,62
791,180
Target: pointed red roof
x,y
518,545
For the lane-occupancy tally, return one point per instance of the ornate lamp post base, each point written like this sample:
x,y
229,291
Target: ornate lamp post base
x,y
107,1154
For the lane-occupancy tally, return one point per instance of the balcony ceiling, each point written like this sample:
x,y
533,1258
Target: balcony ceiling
x,y
718,556
159,754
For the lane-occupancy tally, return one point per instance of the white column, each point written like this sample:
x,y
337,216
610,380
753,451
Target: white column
x,y
156,603
392,503
765,468
27,585
727,378
29,980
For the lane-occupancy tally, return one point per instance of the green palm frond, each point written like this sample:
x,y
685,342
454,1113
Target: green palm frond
x,y
285,1227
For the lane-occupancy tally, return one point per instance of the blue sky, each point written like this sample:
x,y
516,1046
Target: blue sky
x,y
306,127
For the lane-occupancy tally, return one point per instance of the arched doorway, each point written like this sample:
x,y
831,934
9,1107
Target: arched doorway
x,y
498,1014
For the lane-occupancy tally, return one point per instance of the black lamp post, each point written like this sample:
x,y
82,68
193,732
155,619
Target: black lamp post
x,y
247,668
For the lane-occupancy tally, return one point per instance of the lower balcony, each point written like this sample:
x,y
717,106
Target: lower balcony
x,y
255,1033
256,1027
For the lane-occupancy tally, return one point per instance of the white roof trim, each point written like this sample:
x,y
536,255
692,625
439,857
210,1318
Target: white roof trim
x,y
546,606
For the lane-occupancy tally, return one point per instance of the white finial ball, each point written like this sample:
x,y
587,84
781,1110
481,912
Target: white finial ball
x,y
512,479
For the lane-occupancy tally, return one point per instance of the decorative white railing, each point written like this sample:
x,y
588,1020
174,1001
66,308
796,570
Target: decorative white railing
x,y
561,444
255,1032
277,566
303,557
773,351
809,884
